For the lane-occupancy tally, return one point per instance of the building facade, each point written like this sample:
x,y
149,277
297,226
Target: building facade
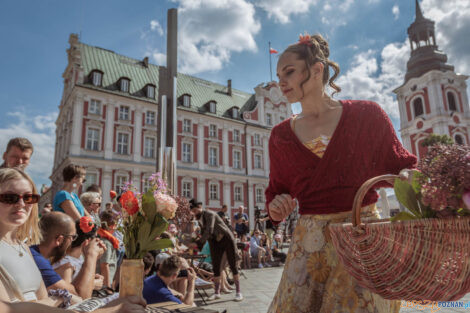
x,y
433,98
107,123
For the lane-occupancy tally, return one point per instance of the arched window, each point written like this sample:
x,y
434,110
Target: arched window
x,y
458,139
418,107
451,101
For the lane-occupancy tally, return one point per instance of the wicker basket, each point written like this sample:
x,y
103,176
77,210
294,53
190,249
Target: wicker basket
x,y
423,259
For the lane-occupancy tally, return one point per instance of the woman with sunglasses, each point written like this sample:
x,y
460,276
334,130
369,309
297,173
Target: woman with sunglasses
x,y
92,203
20,279
67,200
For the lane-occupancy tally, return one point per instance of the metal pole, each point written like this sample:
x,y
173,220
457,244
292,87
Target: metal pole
x,y
270,65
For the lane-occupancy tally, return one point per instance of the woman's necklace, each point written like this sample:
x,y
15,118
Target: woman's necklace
x,y
20,253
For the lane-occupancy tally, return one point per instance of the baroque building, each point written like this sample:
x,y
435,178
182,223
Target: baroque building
x,y
107,123
433,98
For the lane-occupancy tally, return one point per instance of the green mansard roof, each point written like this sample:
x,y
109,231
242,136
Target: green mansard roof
x,y
115,66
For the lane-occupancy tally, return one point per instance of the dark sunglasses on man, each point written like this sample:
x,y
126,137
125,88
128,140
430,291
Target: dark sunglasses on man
x,y
13,198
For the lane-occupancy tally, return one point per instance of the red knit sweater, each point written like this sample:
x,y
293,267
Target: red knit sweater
x,y
364,145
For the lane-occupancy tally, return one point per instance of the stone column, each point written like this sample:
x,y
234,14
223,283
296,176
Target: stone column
x,y
265,139
200,145
106,182
251,205
248,149
109,132
77,125
385,204
138,141
225,149
227,196
201,190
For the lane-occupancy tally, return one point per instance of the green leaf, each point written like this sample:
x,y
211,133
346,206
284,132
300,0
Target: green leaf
x,y
407,196
149,206
403,216
144,232
159,226
417,176
158,244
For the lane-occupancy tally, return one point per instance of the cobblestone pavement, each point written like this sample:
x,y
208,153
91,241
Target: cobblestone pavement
x,y
260,285
258,290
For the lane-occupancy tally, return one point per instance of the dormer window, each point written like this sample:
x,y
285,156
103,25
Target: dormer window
x,y
212,107
96,78
235,113
150,91
124,84
186,101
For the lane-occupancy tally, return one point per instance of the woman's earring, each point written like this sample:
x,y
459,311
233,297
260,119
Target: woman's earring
x,y
74,185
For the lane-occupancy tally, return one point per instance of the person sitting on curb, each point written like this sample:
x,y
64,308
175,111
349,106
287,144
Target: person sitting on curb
x,y
58,232
156,286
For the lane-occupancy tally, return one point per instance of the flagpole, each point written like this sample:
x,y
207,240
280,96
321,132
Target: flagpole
x,y
270,65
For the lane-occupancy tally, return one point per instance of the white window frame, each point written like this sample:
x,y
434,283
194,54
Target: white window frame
x,y
213,191
238,193
235,113
187,155
257,161
213,130
187,189
96,77
94,107
90,141
186,125
150,92
212,107
124,85
186,101
120,181
146,184
269,119
236,135
124,111
89,178
150,118
256,140
121,145
149,149
213,158
259,195
237,162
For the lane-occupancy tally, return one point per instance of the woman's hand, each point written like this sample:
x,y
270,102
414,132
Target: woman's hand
x,y
281,206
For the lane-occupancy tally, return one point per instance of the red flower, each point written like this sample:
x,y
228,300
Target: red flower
x,y
129,202
112,194
86,224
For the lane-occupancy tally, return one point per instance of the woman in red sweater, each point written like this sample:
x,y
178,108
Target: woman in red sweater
x,y
318,160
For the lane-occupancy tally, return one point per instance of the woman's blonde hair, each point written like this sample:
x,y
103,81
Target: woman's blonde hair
x,y
312,50
30,229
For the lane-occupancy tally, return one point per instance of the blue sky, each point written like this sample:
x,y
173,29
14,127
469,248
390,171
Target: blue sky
x,y
219,40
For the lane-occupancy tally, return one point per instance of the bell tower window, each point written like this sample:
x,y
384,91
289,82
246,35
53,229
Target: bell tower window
x,y
418,107
451,101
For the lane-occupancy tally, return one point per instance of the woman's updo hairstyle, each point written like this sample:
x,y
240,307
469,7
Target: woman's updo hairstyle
x,y
313,49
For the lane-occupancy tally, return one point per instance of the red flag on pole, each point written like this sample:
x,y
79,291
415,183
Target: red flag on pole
x,y
272,51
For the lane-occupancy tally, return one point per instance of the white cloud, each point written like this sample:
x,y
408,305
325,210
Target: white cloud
x,y
396,11
155,26
368,78
40,130
281,10
160,58
211,30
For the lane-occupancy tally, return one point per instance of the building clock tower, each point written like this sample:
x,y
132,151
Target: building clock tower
x,y
433,98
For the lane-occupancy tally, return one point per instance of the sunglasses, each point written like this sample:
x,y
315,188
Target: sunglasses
x,y
13,198
74,237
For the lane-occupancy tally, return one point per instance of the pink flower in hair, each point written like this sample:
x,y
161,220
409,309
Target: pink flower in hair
x,y
305,40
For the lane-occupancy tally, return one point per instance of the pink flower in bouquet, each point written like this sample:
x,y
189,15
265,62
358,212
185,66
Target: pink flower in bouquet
x,y
166,205
466,199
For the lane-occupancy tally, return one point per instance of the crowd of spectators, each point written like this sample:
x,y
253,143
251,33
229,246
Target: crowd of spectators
x,y
71,249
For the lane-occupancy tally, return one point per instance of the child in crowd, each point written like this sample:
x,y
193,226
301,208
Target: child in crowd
x,y
108,262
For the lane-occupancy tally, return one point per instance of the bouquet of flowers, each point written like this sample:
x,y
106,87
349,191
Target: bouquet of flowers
x,y
145,217
440,187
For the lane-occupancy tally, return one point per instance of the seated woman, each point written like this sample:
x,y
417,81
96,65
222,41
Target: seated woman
x,y
69,266
67,200
277,248
20,279
91,201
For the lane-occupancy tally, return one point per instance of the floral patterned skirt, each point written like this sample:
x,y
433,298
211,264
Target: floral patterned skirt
x,y
315,281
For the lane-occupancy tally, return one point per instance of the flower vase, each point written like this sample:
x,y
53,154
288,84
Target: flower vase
x,y
131,281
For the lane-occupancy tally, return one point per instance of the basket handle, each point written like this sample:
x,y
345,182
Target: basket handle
x,y
361,193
